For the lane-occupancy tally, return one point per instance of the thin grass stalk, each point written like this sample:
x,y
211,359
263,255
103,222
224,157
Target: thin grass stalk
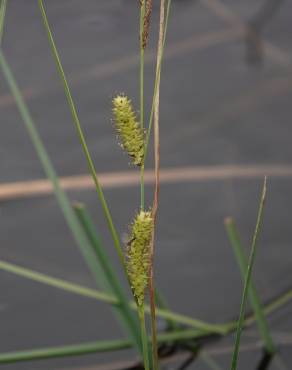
x,y
157,185
253,294
82,291
64,351
61,197
248,276
144,337
76,120
142,52
3,6
123,310
69,215
149,129
88,348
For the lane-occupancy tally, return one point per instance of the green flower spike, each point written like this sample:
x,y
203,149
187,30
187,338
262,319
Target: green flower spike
x,y
128,129
138,254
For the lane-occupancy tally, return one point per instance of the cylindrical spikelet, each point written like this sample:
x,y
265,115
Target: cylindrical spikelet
x,y
138,254
146,22
128,129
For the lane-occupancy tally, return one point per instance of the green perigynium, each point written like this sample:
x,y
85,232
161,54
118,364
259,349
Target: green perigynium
x,y
129,130
138,254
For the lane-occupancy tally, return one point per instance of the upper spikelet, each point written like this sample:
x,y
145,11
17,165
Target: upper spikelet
x,y
128,129
138,254
146,22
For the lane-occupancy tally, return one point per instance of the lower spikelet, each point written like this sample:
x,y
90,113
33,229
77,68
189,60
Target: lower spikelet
x,y
138,254
128,129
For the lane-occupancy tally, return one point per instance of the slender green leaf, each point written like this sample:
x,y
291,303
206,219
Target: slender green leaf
x,y
69,215
248,277
142,15
157,77
64,351
107,298
82,138
62,199
58,283
253,294
112,282
90,347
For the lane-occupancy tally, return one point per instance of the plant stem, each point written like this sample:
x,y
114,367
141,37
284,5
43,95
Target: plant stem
x,y
111,299
70,217
75,117
82,291
253,294
248,277
64,351
157,186
50,172
90,347
158,71
142,52
144,338
123,311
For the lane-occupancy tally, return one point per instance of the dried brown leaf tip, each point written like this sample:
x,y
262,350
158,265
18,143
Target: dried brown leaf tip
x,y
146,22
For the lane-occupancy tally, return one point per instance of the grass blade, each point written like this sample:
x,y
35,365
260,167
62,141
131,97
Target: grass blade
x,y
157,76
64,351
248,277
62,199
80,290
72,220
253,294
82,138
160,47
125,313
90,347
142,15
57,283
3,6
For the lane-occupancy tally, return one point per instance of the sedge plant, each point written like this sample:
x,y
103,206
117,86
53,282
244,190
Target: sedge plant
x,y
138,253
135,142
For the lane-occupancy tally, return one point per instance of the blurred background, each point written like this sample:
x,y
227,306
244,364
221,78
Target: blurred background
x,y
226,95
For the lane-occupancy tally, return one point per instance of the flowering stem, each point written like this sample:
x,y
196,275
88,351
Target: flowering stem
x,y
156,82
144,338
142,14
157,184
